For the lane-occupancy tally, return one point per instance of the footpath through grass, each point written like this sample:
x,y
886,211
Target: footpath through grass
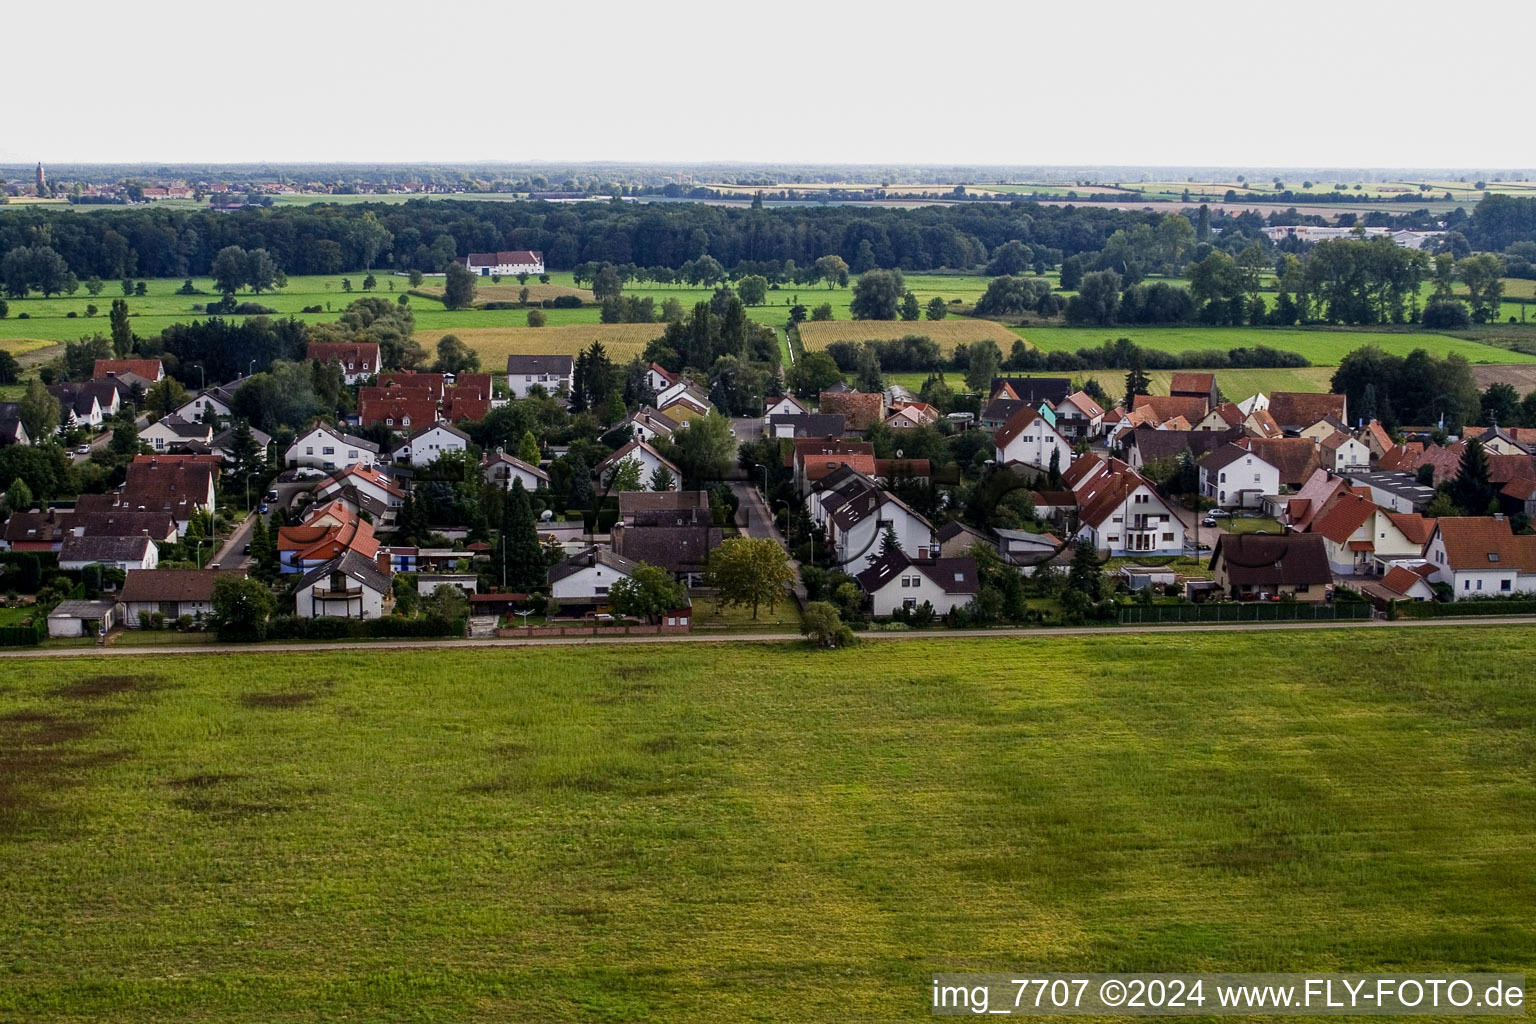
x,y
727,833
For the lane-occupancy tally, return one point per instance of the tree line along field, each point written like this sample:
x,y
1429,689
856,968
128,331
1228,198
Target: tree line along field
x,y
745,832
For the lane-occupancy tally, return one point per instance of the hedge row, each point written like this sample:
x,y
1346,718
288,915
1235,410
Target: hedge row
x,y
1450,609
1247,611
28,634
326,627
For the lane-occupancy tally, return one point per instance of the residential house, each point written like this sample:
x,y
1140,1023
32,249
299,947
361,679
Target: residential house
x,y
151,370
176,484
815,458
400,409
1481,556
37,530
1294,411
956,539
1170,407
506,470
411,382
647,424
1225,416
1343,453
1501,441
172,433
223,445
1189,384
658,378
1395,491
672,530
365,488
1324,428
650,461
1027,550
358,360
1034,391
1295,457
324,447
1120,512
584,579
1266,566
912,414
683,402
1357,534
215,403
1146,445
860,410
857,518
351,586
782,405
1407,581
79,408
895,581
114,552
301,548
12,430
424,446
1234,477
816,424
171,592
1028,440
1078,416
550,372
1375,437
504,264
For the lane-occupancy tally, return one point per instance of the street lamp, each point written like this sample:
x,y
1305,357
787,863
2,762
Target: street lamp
x,y
251,370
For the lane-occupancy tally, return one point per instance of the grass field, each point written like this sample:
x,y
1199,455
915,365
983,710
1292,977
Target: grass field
x,y
510,291
622,341
948,332
766,833
1323,348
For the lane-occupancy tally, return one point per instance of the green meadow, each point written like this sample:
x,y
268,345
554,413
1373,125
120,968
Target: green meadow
x,y
739,832
1320,347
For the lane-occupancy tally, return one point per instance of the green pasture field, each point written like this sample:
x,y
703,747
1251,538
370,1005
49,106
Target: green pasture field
x,y
1321,347
725,833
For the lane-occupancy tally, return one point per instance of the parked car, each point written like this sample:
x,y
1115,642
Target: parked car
x,y
263,508
272,495
84,449
1218,513
245,550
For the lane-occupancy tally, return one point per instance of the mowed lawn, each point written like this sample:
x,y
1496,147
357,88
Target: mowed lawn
x,y
676,833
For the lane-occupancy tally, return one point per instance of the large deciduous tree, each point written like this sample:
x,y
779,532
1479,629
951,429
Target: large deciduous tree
x,y
749,571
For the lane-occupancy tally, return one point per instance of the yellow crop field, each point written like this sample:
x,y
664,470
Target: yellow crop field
x,y
20,346
510,291
947,333
494,344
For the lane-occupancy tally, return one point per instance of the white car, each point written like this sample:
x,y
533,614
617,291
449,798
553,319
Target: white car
x,y
84,449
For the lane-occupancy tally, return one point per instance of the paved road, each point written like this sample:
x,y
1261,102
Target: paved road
x,y
1107,633
747,428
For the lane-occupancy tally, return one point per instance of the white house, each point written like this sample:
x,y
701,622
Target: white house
x,y
1121,513
216,401
552,373
658,377
1078,415
896,581
1026,439
784,405
504,264
1343,453
650,461
172,432
1357,533
856,522
506,470
324,447
426,444
367,481
1479,556
648,424
587,576
114,552
1234,477
1409,581
349,586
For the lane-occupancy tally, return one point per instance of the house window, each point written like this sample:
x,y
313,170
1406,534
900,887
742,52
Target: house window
x,y
909,602
308,450
1479,584
600,591
1255,478
389,421
1504,584
1223,477
327,451
1167,538
351,453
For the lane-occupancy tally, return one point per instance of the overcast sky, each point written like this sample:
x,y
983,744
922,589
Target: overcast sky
x,y
1342,83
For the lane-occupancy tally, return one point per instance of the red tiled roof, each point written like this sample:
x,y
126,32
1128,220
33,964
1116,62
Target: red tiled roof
x,y
1302,409
1295,457
1413,526
1167,407
1485,542
420,411
462,408
1401,578
362,356
504,258
1192,384
149,369
433,382
861,410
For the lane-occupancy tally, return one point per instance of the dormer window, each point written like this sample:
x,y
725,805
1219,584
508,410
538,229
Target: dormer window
x,y
1493,556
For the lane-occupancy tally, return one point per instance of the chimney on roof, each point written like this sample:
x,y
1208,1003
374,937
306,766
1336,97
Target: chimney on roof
x,y
382,561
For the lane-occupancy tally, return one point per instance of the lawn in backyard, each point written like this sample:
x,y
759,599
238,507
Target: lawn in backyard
x,y
682,832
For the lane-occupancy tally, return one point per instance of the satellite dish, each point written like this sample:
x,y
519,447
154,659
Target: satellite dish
x,y
900,453
546,515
